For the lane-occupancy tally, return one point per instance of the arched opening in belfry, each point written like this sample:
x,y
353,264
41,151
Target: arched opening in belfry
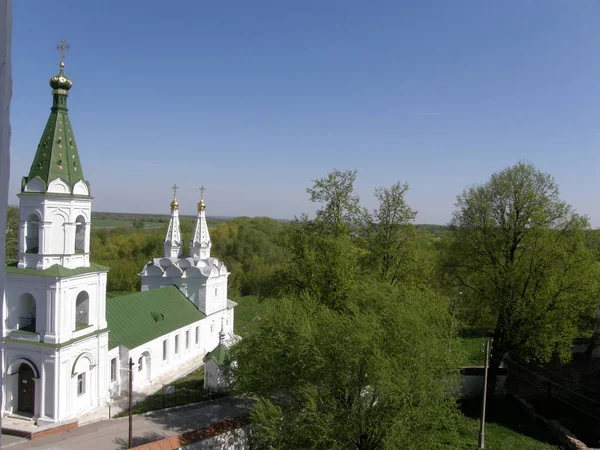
x,y
32,234
82,310
26,313
80,229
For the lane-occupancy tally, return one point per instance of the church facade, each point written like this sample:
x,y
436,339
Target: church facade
x,y
66,347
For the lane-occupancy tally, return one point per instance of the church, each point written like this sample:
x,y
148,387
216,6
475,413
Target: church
x,y
66,346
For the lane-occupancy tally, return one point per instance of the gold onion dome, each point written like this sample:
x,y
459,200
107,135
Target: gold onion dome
x,y
174,204
61,81
201,205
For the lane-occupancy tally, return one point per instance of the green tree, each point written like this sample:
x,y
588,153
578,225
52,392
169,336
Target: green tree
x,y
323,259
139,223
322,263
391,237
374,377
521,252
12,234
341,204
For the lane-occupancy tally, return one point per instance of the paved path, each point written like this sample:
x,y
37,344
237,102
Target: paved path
x,y
113,434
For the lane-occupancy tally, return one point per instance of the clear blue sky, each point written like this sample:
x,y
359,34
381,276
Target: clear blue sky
x,y
254,99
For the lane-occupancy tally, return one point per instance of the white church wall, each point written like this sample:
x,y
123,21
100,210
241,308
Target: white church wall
x,y
115,371
156,362
92,285
83,378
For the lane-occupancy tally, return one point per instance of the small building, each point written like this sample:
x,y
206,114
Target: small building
x,y
216,364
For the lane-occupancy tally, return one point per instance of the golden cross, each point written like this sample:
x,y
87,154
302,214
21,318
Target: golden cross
x,y
175,187
202,189
62,48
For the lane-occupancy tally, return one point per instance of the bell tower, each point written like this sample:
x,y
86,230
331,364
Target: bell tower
x,y
55,201
55,350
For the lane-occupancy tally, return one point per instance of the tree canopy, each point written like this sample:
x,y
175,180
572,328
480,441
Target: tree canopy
x,y
372,377
524,255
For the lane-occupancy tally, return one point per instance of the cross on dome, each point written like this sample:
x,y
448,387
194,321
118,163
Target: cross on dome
x,y
175,203
62,48
201,204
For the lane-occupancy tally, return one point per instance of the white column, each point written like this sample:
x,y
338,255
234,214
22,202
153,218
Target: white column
x,y
51,319
86,245
45,238
69,248
42,383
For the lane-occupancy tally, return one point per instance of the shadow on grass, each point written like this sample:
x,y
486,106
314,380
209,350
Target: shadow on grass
x,y
506,412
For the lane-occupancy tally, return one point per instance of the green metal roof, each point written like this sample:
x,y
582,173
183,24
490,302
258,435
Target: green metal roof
x,y
56,155
220,355
135,319
57,270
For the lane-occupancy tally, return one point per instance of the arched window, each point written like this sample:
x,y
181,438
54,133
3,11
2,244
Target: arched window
x,y
80,227
26,313
82,307
32,234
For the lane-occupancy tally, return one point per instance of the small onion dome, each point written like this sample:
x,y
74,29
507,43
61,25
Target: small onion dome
x,y
201,205
61,81
174,204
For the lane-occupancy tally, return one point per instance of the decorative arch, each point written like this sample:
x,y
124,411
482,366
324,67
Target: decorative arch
x,y
193,272
173,271
13,367
81,188
36,184
78,364
165,262
59,186
155,271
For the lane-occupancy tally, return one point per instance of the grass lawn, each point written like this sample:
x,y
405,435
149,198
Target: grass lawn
x,y
471,350
499,437
189,389
507,426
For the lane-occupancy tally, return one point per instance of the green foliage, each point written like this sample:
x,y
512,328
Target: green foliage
x,y
125,252
341,204
252,249
139,223
371,377
522,257
391,238
320,263
12,234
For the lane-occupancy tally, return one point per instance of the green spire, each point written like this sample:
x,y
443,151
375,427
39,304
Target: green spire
x,y
57,155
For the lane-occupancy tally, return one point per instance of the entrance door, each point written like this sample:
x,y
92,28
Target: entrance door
x,y
26,388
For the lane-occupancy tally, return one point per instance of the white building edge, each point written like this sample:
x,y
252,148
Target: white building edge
x,y
66,347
